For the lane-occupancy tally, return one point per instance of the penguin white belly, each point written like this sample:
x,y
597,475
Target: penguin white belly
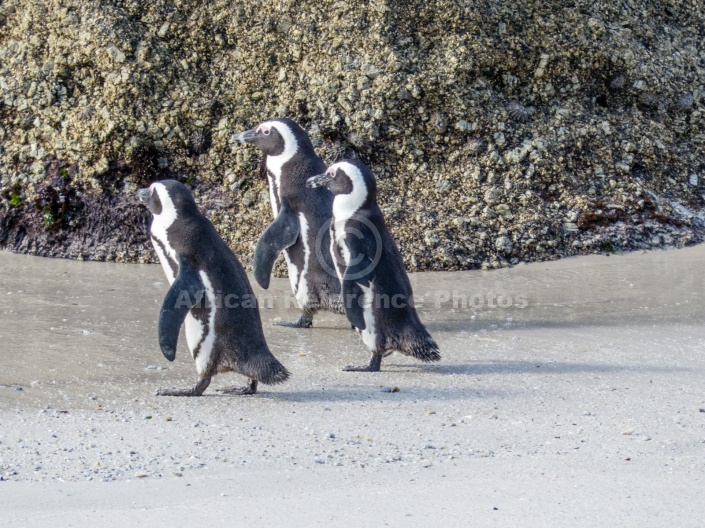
x,y
194,332
199,336
337,243
301,290
273,196
158,230
208,340
274,166
293,275
369,334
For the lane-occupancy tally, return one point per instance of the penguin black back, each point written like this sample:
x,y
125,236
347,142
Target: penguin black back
x,y
300,226
209,292
377,292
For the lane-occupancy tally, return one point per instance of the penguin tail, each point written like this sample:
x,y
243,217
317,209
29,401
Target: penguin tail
x,y
423,347
265,368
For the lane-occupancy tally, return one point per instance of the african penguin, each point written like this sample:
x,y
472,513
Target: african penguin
x,y
301,218
209,292
376,290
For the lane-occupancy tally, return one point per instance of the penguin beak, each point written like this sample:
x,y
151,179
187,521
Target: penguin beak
x,y
248,136
143,195
321,180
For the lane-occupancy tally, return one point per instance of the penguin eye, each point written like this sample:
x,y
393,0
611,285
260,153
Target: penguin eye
x,y
265,131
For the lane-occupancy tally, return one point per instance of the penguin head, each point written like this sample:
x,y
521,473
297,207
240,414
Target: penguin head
x,y
277,137
167,200
347,177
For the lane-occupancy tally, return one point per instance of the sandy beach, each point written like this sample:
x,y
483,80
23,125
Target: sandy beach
x,y
569,393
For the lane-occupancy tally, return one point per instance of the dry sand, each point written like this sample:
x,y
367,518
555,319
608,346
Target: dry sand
x,y
581,402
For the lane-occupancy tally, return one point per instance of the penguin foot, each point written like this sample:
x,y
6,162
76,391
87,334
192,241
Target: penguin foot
x,y
301,322
173,391
374,365
363,368
198,389
250,388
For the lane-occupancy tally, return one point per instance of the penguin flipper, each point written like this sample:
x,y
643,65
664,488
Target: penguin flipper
x,y
186,291
280,234
358,276
352,293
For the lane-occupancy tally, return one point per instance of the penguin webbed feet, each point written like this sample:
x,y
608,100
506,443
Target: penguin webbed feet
x,y
373,366
250,388
197,390
302,322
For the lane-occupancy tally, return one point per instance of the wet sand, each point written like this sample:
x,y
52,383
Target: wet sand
x,y
569,392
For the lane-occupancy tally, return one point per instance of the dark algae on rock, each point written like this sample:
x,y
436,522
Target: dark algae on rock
x,y
499,131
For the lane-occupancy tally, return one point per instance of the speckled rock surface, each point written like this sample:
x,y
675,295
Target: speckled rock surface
x,y
499,131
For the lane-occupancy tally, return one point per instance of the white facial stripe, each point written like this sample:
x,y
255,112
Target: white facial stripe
x,y
204,353
275,163
302,288
291,146
345,205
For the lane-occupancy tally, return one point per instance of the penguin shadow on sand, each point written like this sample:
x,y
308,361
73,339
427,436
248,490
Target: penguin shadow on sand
x,y
542,367
418,391
471,327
